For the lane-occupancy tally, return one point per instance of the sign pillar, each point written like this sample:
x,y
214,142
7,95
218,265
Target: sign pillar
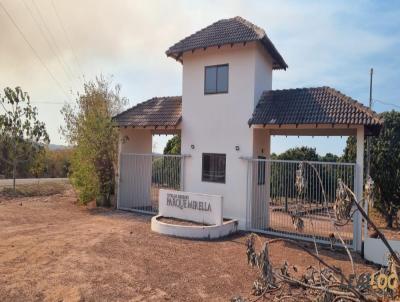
x,y
202,208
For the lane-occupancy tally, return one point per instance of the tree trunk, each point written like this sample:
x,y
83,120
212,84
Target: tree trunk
x,y
14,163
14,172
389,220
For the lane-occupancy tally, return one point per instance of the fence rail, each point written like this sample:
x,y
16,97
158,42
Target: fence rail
x,y
295,199
143,175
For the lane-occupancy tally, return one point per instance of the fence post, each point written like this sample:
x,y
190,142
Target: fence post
x,y
358,189
182,158
248,201
268,192
119,172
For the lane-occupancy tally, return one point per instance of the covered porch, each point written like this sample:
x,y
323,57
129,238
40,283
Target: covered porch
x,y
274,203
142,173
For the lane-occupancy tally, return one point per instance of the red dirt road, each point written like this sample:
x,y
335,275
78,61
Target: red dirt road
x,y
51,249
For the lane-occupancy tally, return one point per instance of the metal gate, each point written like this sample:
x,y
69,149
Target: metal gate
x,y
295,199
143,175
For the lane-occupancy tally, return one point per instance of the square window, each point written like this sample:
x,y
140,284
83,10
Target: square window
x,y
216,79
213,167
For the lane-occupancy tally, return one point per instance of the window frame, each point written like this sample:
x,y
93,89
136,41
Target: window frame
x,y
203,179
216,79
261,170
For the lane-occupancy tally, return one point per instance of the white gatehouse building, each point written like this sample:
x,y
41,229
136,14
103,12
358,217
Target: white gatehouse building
x,y
225,118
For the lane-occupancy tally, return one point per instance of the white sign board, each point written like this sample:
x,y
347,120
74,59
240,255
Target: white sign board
x,y
195,207
376,252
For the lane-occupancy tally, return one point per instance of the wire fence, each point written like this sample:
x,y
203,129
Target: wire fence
x,y
143,175
276,205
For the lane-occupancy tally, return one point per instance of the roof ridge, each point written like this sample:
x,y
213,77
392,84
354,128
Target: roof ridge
x,y
166,97
259,31
298,88
196,32
145,102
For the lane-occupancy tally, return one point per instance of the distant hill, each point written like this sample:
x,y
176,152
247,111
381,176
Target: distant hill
x,y
58,147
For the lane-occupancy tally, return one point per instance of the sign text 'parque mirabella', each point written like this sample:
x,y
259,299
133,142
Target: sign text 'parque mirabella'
x,y
183,201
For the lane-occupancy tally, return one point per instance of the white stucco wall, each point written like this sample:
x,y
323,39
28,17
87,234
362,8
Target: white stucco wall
x,y
260,191
263,73
135,172
217,123
139,140
376,252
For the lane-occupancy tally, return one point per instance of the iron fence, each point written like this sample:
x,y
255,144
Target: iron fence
x,y
143,175
295,199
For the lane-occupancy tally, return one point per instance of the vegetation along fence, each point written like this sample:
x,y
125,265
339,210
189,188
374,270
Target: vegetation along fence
x,y
295,199
143,175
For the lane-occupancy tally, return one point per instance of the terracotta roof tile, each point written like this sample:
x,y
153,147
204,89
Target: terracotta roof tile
x,y
321,105
158,111
227,31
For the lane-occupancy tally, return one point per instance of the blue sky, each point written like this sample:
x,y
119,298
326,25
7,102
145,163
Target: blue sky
x,y
325,43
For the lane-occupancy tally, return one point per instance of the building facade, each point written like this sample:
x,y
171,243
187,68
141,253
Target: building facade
x,y
226,115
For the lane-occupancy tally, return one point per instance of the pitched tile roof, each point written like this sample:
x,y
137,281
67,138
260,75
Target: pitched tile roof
x,y
227,31
158,111
322,105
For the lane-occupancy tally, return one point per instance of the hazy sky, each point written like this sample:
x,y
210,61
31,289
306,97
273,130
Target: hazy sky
x,y
332,43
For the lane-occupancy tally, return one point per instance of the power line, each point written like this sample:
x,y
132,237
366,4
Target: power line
x,y
48,103
368,138
33,49
386,103
52,38
61,23
47,40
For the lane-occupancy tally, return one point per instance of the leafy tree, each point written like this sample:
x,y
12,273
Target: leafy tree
x,y
173,145
166,170
385,165
329,157
21,133
89,128
283,176
51,163
38,166
299,153
350,151
58,162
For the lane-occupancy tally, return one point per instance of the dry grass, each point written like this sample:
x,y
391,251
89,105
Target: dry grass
x,y
35,189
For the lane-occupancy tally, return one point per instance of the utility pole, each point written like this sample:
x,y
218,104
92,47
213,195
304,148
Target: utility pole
x,y
368,151
368,138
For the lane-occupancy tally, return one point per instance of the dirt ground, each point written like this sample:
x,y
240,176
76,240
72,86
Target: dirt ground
x,y
379,220
52,249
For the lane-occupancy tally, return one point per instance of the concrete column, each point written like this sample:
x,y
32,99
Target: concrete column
x,y
135,169
268,175
260,192
118,170
358,188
